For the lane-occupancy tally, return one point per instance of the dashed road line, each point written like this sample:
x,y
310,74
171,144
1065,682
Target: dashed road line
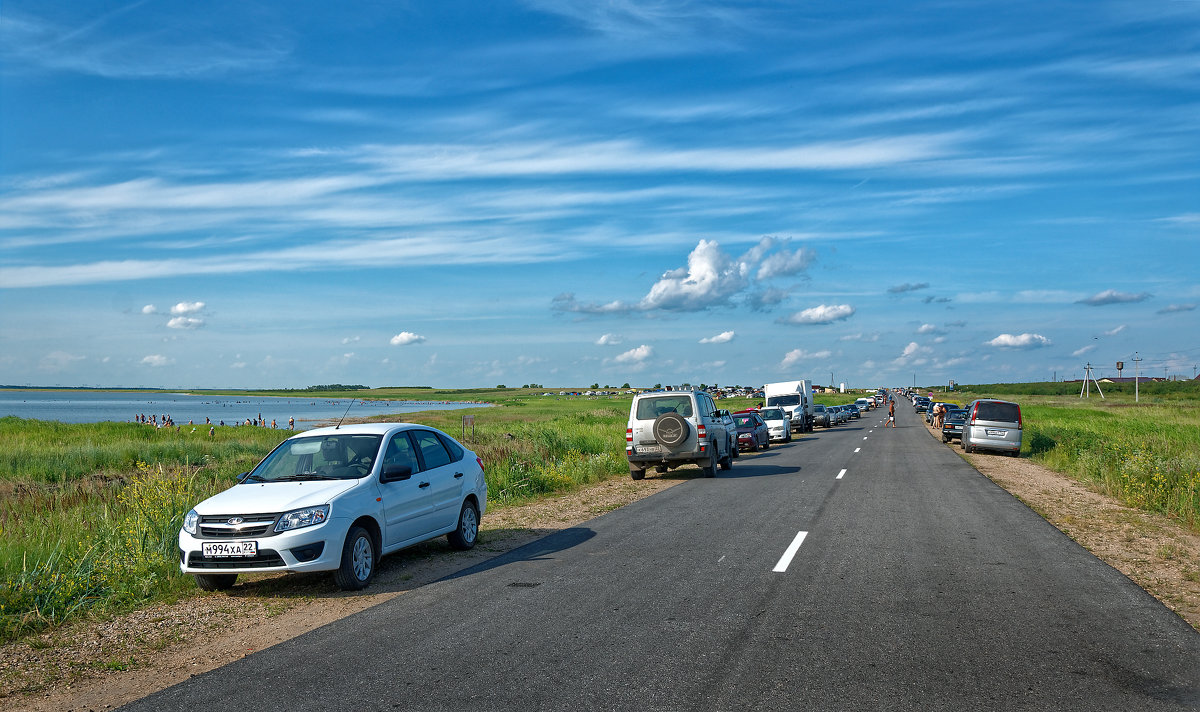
x,y
857,449
840,474
786,559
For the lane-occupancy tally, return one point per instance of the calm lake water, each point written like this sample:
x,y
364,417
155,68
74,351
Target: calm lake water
x,y
99,406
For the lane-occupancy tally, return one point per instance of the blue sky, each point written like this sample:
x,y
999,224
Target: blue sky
x,y
279,194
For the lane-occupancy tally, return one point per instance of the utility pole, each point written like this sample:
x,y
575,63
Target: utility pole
x,y
1086,385
1137,362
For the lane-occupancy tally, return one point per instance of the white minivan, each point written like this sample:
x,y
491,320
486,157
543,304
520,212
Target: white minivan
x,y
336,499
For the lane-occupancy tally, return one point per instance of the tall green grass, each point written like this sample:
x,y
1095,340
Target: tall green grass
x,y
89,513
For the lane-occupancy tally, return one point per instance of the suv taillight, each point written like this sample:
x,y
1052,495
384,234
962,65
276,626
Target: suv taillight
x,y
700,431
628,435
973,412
1020,423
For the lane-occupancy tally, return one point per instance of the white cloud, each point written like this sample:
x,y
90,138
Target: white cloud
x,y
711,278
184,322
1021,341
1173,308
929,329
822,314
1112,296
635,356
187,308
868,338
722,338
1115,331
351,340
404,338
609,340
156,360
1085,350
907,287
149,309
58,361
795,356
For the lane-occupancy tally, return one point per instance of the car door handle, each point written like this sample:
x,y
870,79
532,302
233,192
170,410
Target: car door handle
x,y
423,485
457,475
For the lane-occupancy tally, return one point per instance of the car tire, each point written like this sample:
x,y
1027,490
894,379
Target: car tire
x,y
637,473
755,447
215,582
466,533
767,444
709,468
945,439
671,429
727,461
358,561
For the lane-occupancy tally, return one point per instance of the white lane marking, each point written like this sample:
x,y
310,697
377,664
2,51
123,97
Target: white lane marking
x,y
857,449
864,437
840,474
720,559
786,559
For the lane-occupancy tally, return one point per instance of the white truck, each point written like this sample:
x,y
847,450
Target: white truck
x,y
795,397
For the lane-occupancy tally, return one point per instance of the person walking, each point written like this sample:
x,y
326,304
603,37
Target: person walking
x,y
891,414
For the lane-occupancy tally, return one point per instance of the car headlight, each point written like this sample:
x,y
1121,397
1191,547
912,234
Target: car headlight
x,y
190,520
300,518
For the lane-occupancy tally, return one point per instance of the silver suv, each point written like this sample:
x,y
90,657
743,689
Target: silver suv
x,y
671,428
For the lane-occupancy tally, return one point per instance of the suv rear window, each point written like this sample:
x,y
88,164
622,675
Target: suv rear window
x,y
651,408
999,412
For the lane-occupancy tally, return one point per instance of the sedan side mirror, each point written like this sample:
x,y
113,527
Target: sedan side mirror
x,y
396,473
242,477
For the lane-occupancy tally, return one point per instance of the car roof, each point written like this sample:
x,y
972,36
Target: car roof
x,y
362,429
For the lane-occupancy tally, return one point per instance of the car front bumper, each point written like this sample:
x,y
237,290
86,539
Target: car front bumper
x,y
317,548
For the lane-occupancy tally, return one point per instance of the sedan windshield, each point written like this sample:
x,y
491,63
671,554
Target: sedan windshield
x,y
329,457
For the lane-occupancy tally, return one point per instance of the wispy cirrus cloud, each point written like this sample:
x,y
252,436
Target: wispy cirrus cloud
x,y
722,338
1112,296
907,287
1176,308
796,356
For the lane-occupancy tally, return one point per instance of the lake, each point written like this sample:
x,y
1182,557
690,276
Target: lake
x,y
100,406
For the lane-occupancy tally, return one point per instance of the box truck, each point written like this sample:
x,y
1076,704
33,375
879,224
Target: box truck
x,y
796,398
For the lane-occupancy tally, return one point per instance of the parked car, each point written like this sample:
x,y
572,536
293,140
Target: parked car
x,y
853,410
921,404
778,425
864,404
839,414
336,499
752,432
952,425
822,416
667,429
992,425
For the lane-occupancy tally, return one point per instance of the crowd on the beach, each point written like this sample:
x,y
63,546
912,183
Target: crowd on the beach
x,y
166,421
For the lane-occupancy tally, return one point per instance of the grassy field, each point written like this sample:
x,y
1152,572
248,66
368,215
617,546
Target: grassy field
x,y
1145,454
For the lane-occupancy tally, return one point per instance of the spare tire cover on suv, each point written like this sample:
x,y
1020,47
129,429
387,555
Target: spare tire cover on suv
x,y
671,429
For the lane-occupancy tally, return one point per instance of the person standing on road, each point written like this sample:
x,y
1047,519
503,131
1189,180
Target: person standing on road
x,y
891,414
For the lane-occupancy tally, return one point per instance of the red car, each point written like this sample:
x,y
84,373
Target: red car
x,y
752,431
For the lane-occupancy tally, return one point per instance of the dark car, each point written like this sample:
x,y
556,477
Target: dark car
x,y
952,425
752,432
853,410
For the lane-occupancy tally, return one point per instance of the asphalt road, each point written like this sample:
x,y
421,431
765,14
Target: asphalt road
x,y
917,585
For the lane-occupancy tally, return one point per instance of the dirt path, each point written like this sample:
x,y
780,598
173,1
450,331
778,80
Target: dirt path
x,y
96,666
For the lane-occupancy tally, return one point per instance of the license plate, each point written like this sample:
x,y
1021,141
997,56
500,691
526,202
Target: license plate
x,y
649,449
228,549
997,433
